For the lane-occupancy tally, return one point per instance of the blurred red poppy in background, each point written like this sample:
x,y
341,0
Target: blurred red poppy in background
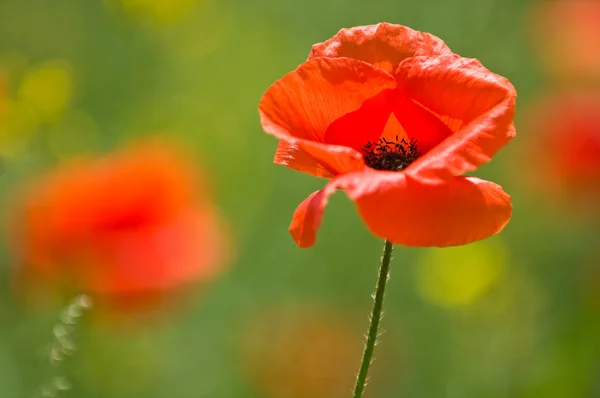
x,y
395,119
565,130
124,228
306,352
566,34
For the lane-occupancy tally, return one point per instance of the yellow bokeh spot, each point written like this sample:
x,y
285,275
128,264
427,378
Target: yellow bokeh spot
x,y
162,11
18,122
458,276
2,95
47,89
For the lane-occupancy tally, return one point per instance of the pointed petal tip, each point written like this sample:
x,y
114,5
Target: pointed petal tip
x,y
307,219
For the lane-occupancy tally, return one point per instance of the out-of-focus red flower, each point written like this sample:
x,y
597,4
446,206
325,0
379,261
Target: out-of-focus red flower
x,y
395,119
566,34
565,127
302,352
134,225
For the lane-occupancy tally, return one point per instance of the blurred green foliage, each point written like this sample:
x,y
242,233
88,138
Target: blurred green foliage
x,y
87,76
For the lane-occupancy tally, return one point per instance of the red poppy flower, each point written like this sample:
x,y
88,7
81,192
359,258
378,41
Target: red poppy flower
x,y
566,34
128,226
395,119
566,129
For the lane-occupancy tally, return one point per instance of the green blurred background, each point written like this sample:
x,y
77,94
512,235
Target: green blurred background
x,y
517,315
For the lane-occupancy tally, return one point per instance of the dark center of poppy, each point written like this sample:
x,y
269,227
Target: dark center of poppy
x,y
391,155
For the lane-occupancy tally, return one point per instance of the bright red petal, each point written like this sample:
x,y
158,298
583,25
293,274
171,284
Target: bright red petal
x,y
477,105
374,119
411,213
300,107
357,128
307,218
294,157
419,123
383,45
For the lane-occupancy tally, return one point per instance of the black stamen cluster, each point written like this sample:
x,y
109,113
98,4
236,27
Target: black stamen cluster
x,y
391,155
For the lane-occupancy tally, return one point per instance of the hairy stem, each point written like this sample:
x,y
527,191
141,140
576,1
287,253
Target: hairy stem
x,y
367,357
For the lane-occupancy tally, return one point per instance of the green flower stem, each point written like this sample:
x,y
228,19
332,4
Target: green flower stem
x,y
367,358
